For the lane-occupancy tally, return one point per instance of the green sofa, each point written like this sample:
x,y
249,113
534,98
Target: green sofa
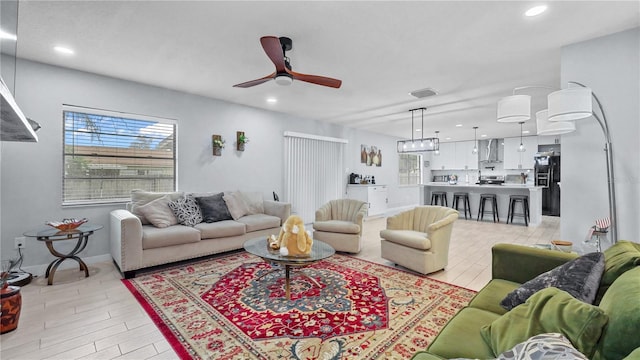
x,y
618,298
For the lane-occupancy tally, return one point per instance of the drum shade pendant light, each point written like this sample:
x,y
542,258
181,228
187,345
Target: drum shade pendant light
x,y
521,148
514,108
546,127
570,104
418,145
475,140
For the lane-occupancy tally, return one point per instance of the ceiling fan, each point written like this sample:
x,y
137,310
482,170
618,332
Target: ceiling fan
x,y
276,49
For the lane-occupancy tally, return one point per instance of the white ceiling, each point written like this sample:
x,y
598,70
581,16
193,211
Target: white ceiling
x,y
473,53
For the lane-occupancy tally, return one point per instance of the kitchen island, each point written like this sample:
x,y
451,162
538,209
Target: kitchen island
x,y
502,194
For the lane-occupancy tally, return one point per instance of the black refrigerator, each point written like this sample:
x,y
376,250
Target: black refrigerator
x,y
547,173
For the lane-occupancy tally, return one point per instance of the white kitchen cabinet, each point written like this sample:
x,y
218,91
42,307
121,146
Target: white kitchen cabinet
x,y
375,196
549,140
465,158
513,159
447,158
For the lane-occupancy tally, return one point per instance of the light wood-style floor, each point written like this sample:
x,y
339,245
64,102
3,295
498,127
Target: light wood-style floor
x,y
97,317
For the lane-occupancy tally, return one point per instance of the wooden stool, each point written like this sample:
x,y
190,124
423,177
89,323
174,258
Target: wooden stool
x,y
465,203
524,201
439,196
494,207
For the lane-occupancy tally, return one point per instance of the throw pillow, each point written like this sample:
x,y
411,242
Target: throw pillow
x,y
158,212
579,277
549,310
186,210
142,197
236,205
254,201
618,259
551,346
213,208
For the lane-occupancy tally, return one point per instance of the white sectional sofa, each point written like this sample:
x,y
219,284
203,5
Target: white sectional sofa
x,y
135,246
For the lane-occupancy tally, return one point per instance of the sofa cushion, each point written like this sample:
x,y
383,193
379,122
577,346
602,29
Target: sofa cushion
x,y
153,237
622,304
141,197
490,296
213,208
158,212
337,226
619,258
410,238
186,210
548,310
254,201
461,336
552,346
579,277
236,205
220,229
259,222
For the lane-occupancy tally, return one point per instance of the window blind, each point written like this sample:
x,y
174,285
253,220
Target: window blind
x,y
106,155
313,172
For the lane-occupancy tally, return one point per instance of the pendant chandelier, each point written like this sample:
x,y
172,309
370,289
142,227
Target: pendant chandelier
x,y
475,140
418,145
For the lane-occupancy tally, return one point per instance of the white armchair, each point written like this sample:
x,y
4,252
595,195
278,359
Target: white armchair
x,y
339,224
418,239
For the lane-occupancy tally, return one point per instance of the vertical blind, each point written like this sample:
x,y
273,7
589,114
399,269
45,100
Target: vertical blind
x,y
313,172
108,154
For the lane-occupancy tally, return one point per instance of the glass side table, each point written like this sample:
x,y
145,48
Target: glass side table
x,y
50,235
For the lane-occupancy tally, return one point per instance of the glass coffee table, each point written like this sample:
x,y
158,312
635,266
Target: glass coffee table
x,y
319,251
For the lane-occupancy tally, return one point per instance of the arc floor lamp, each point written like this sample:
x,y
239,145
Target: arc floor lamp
x,y
565,106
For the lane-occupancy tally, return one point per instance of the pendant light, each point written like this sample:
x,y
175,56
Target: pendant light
x,y
422,130
437,151
521,147
475,140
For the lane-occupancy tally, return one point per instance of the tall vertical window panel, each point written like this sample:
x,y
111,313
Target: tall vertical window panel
x,y
313,172
108,154
409,169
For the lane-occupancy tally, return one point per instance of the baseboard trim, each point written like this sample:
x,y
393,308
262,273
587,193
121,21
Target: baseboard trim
x,y
38,270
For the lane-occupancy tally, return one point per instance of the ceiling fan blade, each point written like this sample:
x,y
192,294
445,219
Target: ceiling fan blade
x,y
273,48
255,82
315,79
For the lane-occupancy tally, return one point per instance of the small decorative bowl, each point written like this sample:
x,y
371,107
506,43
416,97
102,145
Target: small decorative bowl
x,y
67,224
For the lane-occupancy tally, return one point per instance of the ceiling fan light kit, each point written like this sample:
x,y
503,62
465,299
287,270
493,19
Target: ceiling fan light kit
x,y
276,48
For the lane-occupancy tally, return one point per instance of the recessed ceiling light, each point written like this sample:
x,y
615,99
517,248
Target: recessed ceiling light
x,y
418,130
458,125
536,10
447,138
8,36
483,135
63,50
525,131
272,100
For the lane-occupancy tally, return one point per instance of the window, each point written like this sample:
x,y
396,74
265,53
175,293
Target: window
x,y
409,169
106,155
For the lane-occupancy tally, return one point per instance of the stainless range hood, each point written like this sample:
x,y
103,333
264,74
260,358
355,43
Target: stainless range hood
x,y
14,126
491,151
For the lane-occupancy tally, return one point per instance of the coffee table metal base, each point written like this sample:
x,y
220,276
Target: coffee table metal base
x,y
287,277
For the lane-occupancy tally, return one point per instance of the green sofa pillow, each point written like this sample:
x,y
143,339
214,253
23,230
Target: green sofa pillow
x,y
618,259
548,311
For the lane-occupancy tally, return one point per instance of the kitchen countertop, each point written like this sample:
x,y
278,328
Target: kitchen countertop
x,y
366,185
485,186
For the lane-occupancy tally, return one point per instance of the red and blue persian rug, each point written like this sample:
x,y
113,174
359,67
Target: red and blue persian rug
x,y
231,307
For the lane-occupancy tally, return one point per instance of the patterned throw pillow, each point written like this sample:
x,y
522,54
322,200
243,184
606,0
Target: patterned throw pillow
x,y
579,277
551,346
186,211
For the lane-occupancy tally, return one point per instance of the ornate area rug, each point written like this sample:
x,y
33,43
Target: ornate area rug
x,y
231,307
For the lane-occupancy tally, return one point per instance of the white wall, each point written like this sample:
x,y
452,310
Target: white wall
x,y
610,66
30,176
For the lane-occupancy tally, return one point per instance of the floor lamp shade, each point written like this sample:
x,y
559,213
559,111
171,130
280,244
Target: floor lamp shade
x,y
570,104
546,127
514,108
